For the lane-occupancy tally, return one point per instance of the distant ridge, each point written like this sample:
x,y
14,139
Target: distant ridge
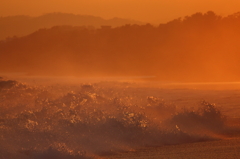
x,y
23,25
202,47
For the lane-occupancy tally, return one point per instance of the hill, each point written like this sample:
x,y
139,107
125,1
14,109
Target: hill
x,y
201,47
24,25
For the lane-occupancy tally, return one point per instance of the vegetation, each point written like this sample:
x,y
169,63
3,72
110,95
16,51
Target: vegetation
x,y
200,47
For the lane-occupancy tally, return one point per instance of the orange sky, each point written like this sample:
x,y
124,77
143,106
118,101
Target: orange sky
x,y
154,11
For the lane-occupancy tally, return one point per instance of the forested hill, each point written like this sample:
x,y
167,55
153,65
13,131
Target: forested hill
x,y
196,48
24,25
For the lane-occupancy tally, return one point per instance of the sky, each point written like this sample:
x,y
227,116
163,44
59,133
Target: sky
x,y
152,11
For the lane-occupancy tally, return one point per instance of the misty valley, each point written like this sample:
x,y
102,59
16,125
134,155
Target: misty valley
x,y
118,87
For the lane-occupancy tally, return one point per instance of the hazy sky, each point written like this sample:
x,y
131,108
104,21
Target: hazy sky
x,y
155,11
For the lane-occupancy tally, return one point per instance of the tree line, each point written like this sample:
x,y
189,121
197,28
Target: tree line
x,y
200,47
